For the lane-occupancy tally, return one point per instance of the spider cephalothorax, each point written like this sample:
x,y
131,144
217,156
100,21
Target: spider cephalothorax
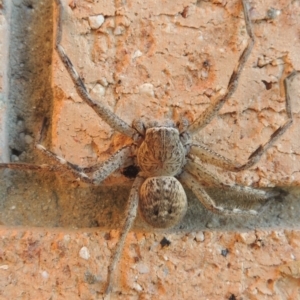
x,y
161,153
165,156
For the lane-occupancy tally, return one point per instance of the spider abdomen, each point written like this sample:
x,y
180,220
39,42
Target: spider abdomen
x,y
161,153
163,202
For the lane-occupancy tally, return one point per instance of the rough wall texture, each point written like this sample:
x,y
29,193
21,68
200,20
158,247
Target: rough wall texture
x,y
55,264
147,60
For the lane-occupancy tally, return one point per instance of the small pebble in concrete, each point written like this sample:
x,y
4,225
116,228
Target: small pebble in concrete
x,y
147,89
84,253
273,13
96,21
199,237
224,252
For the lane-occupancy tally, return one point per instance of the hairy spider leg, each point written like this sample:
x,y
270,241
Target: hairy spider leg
x,y
120,159
245,192
191,182
104,113
209,156
130,213
256,155
220,99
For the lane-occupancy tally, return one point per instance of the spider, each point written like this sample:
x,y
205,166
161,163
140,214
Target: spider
x,y
165,155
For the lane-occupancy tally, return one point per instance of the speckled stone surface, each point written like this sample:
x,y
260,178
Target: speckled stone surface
x,y
62,264
153,58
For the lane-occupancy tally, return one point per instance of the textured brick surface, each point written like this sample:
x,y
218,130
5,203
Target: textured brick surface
x,y
62,264
155,58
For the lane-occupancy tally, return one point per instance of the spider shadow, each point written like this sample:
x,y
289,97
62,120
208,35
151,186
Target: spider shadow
x,y
49,200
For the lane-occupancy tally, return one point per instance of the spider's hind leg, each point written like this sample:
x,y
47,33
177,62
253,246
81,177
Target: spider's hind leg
x,y
201,173
195,173
130,213
191,182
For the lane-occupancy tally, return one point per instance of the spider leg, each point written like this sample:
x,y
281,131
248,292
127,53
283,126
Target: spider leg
x,y
256,155
53,168
130,213
192,183
220,99
207,155
119,159
104,113
200,172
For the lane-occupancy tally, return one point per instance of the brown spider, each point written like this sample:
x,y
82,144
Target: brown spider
x,y
165,156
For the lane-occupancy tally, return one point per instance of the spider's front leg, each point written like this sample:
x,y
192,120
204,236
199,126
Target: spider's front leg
x,y
104,113
220,99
